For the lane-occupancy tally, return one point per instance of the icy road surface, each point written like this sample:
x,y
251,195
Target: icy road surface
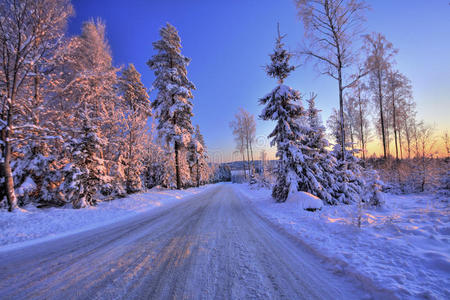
x,y
210,247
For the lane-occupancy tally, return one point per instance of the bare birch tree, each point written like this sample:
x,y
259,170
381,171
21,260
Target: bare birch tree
x,y
361,109
331,29
244,128
249,127
408,121
398,92
380,53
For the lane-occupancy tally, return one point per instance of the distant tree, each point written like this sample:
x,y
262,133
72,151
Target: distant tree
x,y
334,125
250,131
398,90
240,136
350,114
425,173
244,129
332,27
361,121
221,173
380,53
172,106
445,175
283,106
408,121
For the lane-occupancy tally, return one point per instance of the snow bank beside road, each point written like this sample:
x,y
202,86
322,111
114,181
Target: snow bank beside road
x,y
403,247
305,200
31,225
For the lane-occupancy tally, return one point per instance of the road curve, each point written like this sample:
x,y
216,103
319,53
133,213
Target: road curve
x,y
209,247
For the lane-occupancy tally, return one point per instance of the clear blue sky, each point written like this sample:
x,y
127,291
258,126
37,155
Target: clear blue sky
x,y
229,42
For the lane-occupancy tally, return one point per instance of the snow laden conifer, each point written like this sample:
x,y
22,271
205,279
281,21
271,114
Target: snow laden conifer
x,y
317,171
197,159
136,109
172,106
204,168
353,183
87,171
283,106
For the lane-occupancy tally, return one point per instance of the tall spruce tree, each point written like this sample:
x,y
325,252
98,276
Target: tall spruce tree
x,y
172,106
283,106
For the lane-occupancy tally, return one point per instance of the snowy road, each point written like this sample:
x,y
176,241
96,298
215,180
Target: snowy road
x,y
209,247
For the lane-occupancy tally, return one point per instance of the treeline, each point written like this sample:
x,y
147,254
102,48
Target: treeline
x,y
76,129
380,106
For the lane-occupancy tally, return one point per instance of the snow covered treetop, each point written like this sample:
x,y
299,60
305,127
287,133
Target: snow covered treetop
x,y
169,61
134,91
279,68
172,106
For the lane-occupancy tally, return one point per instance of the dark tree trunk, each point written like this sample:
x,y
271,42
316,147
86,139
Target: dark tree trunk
x,y
243,164
251,152
351,137
380,99
130,151
248,159
408,140
363,146
177,165
7,172
394,125
198,174
341,112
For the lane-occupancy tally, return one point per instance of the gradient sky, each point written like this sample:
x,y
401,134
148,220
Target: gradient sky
x,y
229,43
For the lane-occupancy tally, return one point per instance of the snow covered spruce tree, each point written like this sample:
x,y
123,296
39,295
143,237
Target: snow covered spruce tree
x,y
197,159
172,106
318,169
136,109
283,106
352,182
204,168
29,30
85,173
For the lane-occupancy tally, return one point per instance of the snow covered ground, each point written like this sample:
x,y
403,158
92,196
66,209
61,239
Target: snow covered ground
x,y
403,247
210,247
32,225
